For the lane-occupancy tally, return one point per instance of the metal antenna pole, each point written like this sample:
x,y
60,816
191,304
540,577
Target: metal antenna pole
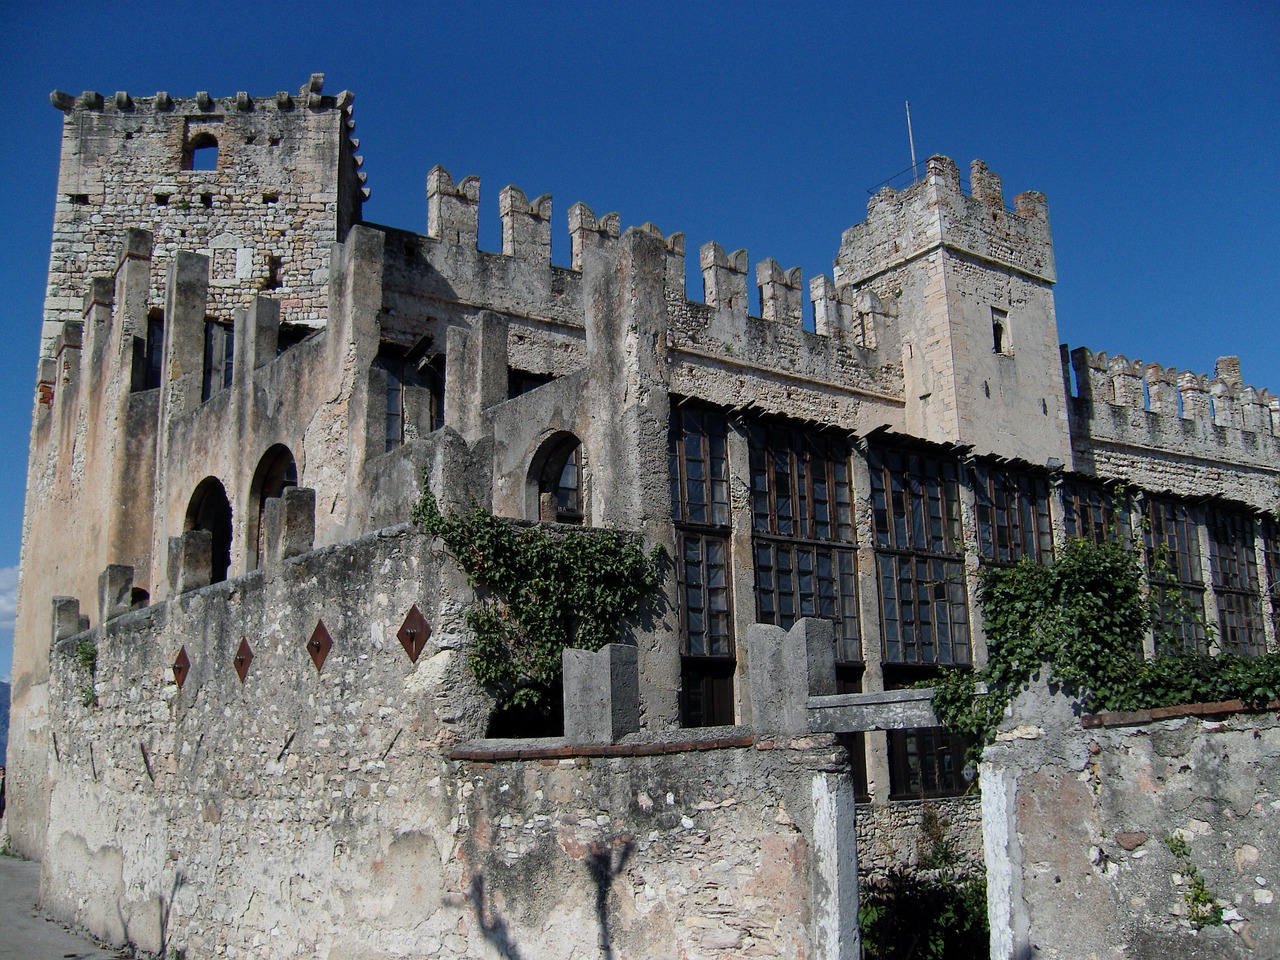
x,y
912,140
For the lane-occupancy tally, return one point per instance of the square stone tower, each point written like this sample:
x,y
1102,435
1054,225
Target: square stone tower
x,y
972,282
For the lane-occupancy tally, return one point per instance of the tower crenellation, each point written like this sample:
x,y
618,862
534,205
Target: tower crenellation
x,y
282,182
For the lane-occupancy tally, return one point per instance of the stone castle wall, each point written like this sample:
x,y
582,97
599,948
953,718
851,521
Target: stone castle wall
x,y
285,187
318,813
1080,814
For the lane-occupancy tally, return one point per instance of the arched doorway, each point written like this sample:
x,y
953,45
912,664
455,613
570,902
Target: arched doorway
x,y
559,471
210,510
276,471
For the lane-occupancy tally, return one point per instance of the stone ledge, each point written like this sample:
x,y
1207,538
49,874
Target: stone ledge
x,y
591,751
1133,718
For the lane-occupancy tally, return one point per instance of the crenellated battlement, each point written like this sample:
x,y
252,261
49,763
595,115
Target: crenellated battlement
x,y
936,213
309,97
1221,399
262,185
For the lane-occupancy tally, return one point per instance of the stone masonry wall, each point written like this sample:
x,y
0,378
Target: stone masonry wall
x,y
285,187
319,813
1079,814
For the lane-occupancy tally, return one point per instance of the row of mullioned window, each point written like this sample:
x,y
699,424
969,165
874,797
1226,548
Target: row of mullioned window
x,y
804,559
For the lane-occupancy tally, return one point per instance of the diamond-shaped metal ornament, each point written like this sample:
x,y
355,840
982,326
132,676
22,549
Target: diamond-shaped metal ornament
x,y
319,645
414,633
181,667
244,657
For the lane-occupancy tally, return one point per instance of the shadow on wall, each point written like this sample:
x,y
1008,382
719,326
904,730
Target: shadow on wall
x,y
605,862
492,925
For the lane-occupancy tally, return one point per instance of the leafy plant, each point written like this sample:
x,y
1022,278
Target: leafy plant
x,y
1086,616
936,912
1203,908
545,590
87,658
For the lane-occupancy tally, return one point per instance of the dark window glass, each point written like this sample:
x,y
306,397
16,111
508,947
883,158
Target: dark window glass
x,y
155,349
803,539
699,478
915,508
219,347
1173,569
926,762
1013,516
395,402
520,382
1094,512
1234,567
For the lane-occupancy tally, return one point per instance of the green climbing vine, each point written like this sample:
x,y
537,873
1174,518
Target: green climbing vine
x,y
87,658
1086,616
542,590
1203,908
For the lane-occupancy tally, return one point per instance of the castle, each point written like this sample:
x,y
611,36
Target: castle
x,y
242,389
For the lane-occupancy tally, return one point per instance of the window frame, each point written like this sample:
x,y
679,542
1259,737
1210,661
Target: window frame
x,y
1012,505
1233,565
698,475
916,526
1170,524
813,472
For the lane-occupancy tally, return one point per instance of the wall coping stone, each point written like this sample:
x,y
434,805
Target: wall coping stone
x,y
1133,718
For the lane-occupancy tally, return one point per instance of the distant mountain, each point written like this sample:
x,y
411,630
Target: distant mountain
x,y
4,720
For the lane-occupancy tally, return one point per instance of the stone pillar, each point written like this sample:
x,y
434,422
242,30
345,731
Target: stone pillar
x,y
67,621
601,693
195,560
475,373
115,591
290,524
786,668
835,869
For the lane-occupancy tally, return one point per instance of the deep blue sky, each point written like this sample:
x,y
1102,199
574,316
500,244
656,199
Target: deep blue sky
x,y
1152,128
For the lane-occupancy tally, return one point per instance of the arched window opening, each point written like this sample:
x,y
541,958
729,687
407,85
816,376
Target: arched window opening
x,y
201,152
276,471
211,510
139,598
561,479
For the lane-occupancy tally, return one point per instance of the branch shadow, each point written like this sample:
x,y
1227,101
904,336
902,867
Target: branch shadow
x,y
492,926
605,862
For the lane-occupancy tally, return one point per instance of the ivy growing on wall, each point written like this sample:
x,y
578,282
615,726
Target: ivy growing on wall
x,y
1085,615
542,590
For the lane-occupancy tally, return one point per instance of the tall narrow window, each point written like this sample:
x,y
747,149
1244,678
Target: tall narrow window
x,y
1094,512
1013,516
395,403
563,479
1000,332
210,510
1234,568
924,611
699,477
1177,583
154,349
276,471
219,349
802,533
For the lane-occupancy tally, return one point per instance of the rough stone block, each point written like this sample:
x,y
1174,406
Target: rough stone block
x,y
115,591
195,560
786,668
601,693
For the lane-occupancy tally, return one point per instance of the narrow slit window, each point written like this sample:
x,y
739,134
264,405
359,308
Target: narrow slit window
x,y
1000,332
